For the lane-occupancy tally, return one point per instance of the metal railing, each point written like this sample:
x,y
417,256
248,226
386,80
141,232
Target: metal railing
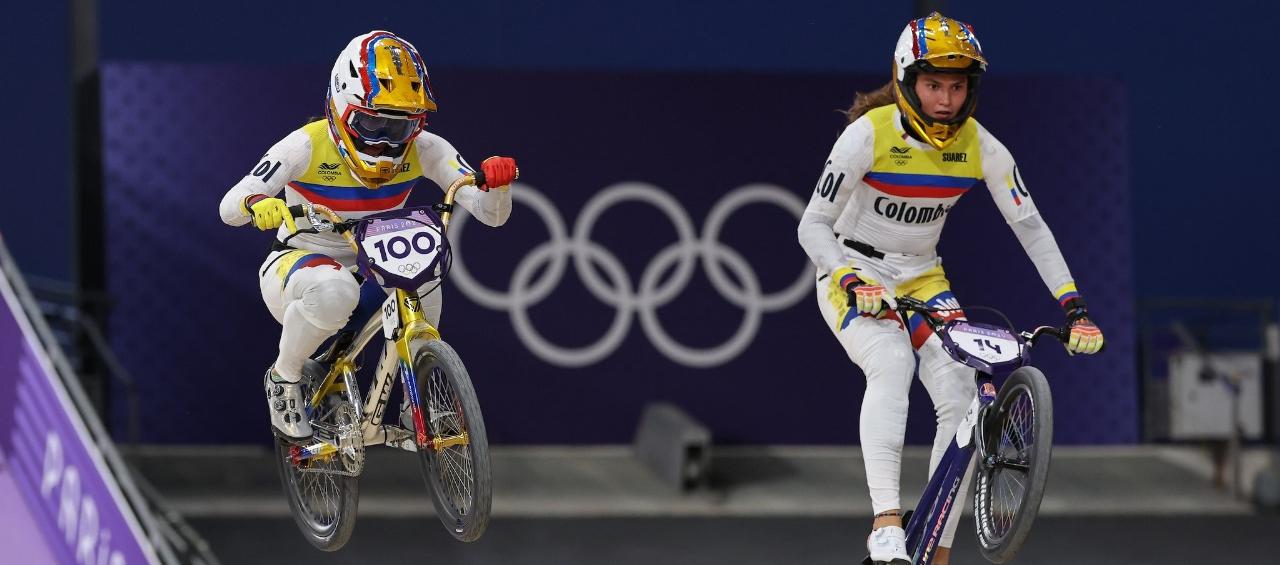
x,y
173,541
86,345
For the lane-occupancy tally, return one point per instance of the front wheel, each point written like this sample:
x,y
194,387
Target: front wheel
x,y
456,463
1013,464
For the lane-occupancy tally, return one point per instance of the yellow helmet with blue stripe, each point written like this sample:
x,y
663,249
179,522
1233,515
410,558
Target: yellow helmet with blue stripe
x,y
378,100
936,44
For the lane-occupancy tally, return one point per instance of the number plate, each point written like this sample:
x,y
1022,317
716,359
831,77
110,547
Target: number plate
x,y
989,343
402,249
390,316
401,246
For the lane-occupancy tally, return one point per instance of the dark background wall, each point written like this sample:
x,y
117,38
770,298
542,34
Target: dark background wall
x,y
1166,63
188,311
37,221
1195,75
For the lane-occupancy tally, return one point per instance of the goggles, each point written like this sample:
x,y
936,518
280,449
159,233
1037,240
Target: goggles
x,y
371,127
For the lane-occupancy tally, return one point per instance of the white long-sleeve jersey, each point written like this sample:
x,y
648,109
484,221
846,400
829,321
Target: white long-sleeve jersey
x,y
307,167
884,188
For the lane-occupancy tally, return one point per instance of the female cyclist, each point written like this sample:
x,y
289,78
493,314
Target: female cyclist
x,y
910,151
363,158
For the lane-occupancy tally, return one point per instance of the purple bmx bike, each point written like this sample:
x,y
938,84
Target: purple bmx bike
x,y
1008,430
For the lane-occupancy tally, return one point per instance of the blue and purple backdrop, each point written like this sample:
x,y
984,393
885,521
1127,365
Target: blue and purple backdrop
x,y
189,322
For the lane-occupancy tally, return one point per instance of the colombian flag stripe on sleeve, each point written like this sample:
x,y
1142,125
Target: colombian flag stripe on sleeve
x,y
1066,292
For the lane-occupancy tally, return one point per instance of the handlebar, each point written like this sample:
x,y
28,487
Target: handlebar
x,y
1062,334
324,219
908,304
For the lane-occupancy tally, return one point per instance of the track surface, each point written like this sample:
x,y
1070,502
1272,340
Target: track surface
x,y
739,541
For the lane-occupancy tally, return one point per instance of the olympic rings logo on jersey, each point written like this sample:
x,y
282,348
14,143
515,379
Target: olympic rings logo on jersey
x,y
615,287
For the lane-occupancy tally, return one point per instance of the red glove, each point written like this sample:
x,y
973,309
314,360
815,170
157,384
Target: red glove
x,y
498,172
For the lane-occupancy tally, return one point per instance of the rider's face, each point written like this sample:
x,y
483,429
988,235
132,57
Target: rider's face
x,y
941,94
372,149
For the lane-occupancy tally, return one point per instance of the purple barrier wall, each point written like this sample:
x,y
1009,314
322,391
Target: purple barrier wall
x,y
67,491
575,351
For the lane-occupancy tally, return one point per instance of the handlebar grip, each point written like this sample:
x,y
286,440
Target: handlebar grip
x,y
297,211
479,178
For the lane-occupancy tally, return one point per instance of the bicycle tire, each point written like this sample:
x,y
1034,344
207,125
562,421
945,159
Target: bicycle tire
x,y
464,510
1022,410
326,535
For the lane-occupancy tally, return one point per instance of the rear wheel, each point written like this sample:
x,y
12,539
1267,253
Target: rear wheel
x,y
456,466
323,491
1013,464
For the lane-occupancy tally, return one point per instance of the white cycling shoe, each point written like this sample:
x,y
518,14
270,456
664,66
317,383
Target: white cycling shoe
x,y
286,405
888,545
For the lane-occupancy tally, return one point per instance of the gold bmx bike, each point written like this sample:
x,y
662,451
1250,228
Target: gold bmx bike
x,y
403,251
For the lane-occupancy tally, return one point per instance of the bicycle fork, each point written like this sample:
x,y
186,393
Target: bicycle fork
x,y
412,326
403,322
927,521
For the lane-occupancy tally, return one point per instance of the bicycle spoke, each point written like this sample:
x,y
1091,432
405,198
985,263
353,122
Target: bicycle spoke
x,y
461,483
454,466
1020,417
318,482
1010,505
1004,507
1006,488
1006,435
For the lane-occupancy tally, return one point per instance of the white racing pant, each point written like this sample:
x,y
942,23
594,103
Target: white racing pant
x,y
312,295
883,349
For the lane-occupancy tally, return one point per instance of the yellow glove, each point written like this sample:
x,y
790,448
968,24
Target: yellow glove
x,y
1085,337
268,213
850,290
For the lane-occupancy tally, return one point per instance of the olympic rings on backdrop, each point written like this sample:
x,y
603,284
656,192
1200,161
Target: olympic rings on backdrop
x,y
615,288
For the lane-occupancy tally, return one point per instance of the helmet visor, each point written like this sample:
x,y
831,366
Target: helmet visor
x,y
379,128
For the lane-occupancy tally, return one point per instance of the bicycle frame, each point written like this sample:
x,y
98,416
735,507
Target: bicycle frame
x,y
411,325
932,511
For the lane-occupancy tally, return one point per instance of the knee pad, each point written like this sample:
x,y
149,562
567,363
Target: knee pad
x,y
328,303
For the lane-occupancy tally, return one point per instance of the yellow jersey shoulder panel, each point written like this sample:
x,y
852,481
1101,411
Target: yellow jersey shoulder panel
x,y
327,180
905,169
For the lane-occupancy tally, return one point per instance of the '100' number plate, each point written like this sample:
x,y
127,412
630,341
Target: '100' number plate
x,y
401,246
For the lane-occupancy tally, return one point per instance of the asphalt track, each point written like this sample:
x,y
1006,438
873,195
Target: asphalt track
x,y
1056,540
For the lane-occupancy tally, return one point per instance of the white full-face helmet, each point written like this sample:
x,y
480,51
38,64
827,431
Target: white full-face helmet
x,y
936,44
378,99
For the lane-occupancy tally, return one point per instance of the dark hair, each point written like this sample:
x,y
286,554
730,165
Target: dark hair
x,y
865,101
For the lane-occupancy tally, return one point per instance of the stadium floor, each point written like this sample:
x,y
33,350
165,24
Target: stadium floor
x,y
766,506
739,541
